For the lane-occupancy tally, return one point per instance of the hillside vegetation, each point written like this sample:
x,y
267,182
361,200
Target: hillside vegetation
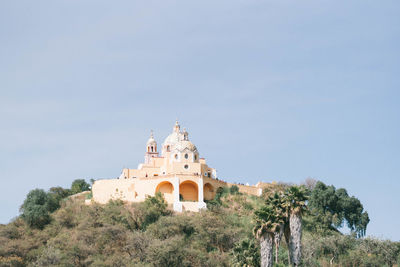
x,y
58,230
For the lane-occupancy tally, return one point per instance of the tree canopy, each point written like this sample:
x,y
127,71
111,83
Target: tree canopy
x,y
79,185
332,208
37,207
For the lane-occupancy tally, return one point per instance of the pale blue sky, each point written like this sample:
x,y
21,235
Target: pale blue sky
x,y
268,90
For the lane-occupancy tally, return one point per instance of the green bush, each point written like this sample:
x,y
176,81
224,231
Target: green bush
x,y
79,185
246,253
234,189
169,226
37,207
150,211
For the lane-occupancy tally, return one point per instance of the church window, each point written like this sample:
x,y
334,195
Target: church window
x,y
168,148
205,174
186,166
186,156
176,156
152,149
195,157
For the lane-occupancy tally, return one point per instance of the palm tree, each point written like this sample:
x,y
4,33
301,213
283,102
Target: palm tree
x,y
295,203
276,201
267,223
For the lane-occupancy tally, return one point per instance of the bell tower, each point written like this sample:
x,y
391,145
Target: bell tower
x,y
151,149
185,135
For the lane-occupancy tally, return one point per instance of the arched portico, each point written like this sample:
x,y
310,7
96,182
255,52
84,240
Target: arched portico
x,y
167,190
189,191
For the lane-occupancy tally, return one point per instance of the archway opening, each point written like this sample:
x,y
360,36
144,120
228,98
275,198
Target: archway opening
x,y
209,192
188,191
167,190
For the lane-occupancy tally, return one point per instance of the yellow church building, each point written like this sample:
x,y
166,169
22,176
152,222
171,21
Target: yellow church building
x,y
184,179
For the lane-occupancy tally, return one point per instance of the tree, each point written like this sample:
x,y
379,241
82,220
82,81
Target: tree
x,y
331,208
310,183
276,202
37,207
150,211
79,185
357,219
59,193
246,254
267,223
295,202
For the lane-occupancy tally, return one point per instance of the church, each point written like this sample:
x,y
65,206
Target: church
x,y
179,173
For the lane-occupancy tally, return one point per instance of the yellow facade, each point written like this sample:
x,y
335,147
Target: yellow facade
x,y
184,179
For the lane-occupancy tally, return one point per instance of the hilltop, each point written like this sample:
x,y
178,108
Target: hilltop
x,y
150,234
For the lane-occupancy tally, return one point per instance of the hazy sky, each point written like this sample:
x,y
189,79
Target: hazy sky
x,y
268,90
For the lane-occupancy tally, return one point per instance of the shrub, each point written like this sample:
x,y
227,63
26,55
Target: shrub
x,y
149,211
49,257
170,226
11,261
136,245
59,193
246,253
37,207
170,252
234,189
116,213
79,185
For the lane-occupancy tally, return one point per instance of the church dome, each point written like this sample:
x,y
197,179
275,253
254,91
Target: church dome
x,y
151,140
172,139
185,144
178,141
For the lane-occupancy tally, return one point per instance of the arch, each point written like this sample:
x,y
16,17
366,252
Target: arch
x,y
209,192
189,191
167,190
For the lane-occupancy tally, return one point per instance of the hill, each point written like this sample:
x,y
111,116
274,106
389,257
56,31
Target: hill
x,y
149,234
